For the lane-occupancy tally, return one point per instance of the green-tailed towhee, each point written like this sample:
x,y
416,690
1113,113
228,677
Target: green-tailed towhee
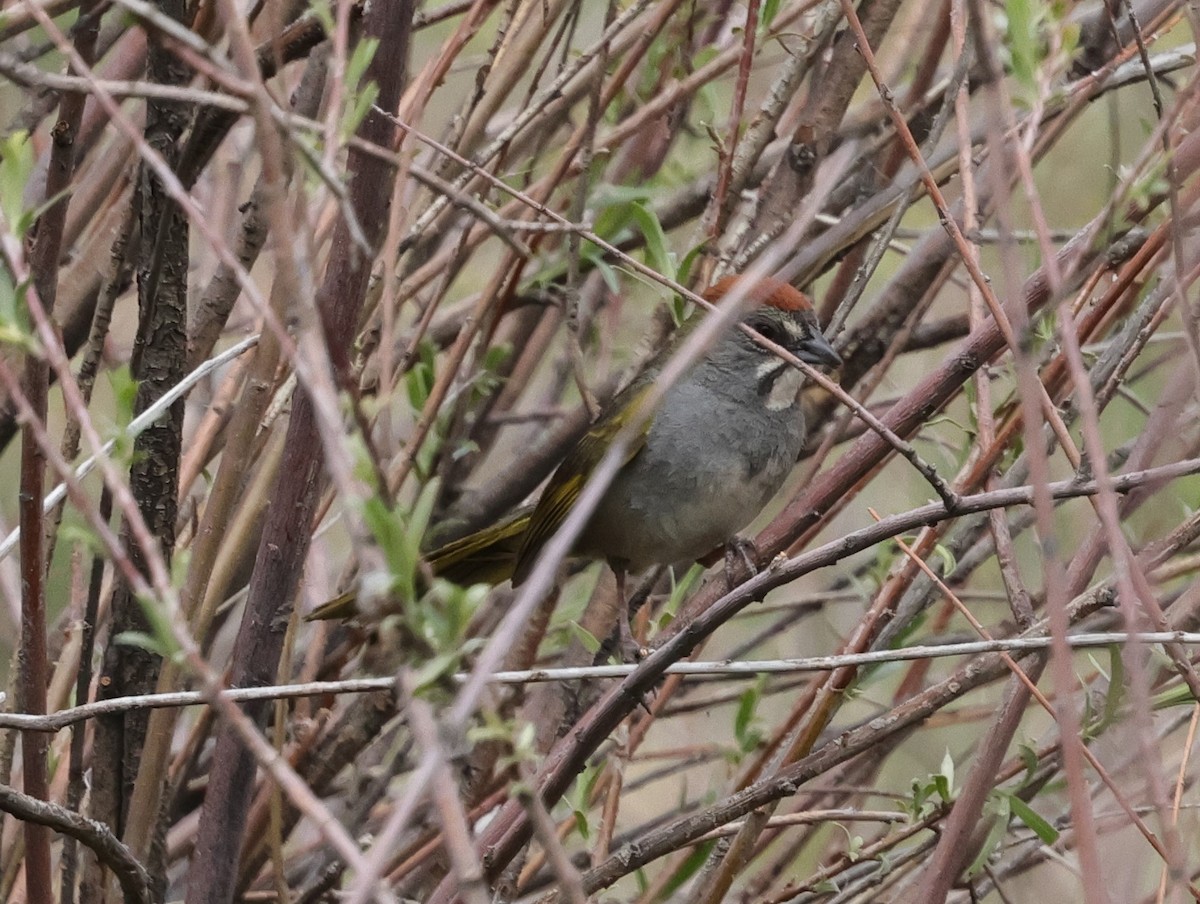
x,y
720,444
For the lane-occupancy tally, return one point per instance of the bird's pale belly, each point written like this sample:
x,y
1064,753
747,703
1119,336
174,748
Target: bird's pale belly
x,y
634,526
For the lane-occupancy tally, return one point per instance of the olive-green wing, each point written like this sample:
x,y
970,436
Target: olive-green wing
x,y
568,481
341,607
484,557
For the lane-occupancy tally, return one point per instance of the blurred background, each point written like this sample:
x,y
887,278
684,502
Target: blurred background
x,y
452,232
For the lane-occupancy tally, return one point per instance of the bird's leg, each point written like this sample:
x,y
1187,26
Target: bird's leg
x,y
739,548
631,650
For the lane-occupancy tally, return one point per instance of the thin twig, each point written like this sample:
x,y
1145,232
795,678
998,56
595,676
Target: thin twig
x,y
99,838
723,668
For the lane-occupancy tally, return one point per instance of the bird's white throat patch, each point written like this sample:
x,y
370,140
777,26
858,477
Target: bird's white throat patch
x,y
785,382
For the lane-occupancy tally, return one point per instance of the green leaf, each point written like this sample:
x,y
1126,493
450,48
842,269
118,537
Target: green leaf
x,y
158,639
362,95
1024,40
580,795
16,168
593,255
948,767
422,513
360,59
943,782
658,254
142,641
1029,758
995,837
386,529
457,607
364,99
581,825
613,210
689,261
680,587
523,741
436,670
81,534
770,9
686,870
619,212
916,802
418,383
160,626
1032,819
495,357
1116,685
586,783
743,723
744,716
491,729
324,14
124,389
949,563
15,328
585,637
1180,695
643,884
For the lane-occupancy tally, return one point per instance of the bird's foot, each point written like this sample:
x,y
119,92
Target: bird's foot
x,y
621,646
631,650
739,548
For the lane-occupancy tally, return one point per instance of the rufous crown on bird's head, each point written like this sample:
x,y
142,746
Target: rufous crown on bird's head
x,y
766,290
782,314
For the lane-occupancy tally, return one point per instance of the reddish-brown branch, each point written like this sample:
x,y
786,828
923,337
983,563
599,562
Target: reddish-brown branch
x,y
34,667
286,534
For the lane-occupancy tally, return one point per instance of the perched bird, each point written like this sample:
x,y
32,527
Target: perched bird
x,y
720,444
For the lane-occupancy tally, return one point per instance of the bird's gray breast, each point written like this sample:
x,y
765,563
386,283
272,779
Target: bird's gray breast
x,y
714,456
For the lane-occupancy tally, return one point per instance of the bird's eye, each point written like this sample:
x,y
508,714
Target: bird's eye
x,y
771,330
